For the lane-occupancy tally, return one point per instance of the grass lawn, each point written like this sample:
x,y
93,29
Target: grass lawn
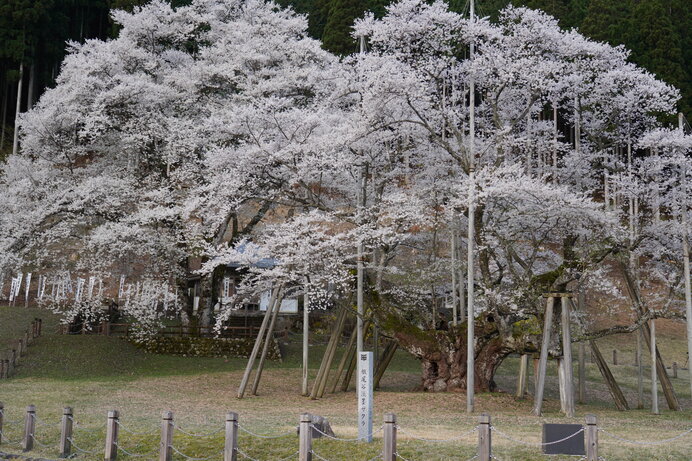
x,y
94,374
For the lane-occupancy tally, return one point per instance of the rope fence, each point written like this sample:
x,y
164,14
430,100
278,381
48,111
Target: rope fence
x,y
37,432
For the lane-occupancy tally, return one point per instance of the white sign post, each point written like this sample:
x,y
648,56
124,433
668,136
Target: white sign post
x,y
365,383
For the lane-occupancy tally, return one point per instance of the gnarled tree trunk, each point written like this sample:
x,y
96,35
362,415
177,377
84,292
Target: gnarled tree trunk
x,y
443,352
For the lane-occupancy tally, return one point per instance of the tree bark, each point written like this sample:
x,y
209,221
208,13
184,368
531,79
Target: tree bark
x,y
443,353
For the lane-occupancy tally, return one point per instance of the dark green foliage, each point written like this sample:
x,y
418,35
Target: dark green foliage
x,y
607,21
35,32
336,36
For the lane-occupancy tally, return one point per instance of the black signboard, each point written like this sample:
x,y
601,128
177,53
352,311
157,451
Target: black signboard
x,y
571,446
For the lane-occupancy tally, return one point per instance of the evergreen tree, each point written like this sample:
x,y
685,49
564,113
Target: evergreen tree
x,y
339,25
656,43
608,21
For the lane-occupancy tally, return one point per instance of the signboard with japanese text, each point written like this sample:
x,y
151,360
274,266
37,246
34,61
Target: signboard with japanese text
x,y
365,381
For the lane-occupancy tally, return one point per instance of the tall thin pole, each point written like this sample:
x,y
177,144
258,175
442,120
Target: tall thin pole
x,y
306,333
470,342
686,268
654,387
15,142
359,298
455,292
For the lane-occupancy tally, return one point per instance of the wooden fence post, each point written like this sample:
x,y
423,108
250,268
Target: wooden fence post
x,y
591,438
2,415
29,426
675,369
5,369
166,452
484,443
66,433
20,348
26,339
2,368
389,450
305,434
111,453
230,451
615,357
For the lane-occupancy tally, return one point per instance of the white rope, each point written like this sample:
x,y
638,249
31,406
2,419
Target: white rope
x,y
130,431
4,439
42,445
10,421
79,426
89,452
135,455
396,453
357,439
637,442
191,457
192,434
318,456
245,455
460,437
534,444
42,423
265,436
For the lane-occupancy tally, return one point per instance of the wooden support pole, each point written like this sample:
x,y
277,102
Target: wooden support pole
x,y
389,449
484,435
167,427
2,419
348,353
267,341
332,353
675,369
536,365
351,364
320,383
66,432
613,387
230,450
542,366
568,382
29,428
615,357
305,434
523,376
591,438
382,365
654,385
111,452
256,347
640,370
582,372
